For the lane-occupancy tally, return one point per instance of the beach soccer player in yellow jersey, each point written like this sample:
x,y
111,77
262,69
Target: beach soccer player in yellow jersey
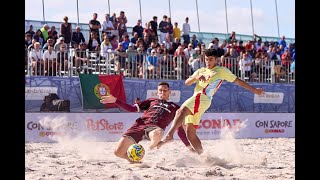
x,y
208,81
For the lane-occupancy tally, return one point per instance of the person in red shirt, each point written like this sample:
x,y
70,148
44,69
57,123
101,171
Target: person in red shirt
x,y
158,114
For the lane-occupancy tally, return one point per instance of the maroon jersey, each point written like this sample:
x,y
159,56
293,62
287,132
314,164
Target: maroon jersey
x,y
156,112
160,112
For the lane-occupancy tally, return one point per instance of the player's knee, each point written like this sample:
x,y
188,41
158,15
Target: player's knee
x,y
158,132
117,152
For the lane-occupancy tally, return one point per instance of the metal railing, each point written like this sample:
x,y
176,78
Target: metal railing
x,y
145,66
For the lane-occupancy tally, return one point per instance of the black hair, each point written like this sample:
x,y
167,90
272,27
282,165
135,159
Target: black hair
x,y
211,52
163,83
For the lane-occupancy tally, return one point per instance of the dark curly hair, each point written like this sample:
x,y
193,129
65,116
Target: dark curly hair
x,y
211,52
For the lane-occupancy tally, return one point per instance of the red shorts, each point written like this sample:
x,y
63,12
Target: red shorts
x,y
139,130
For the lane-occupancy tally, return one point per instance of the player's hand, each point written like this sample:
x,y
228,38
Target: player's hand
x,y
201,78
259,91
108,99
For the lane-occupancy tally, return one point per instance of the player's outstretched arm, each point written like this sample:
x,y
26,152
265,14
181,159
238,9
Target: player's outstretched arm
x,y
245,85
111,99
193,79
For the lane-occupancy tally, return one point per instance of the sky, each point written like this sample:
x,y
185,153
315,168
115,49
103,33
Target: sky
x,y
212,14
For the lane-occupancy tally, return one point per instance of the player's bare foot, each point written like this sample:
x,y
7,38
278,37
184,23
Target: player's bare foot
x,y
152,145
166,140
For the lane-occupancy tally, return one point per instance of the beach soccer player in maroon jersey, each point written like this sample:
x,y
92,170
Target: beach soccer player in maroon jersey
x,y
158,114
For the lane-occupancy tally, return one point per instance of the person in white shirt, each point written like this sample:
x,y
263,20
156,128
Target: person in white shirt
x,y
188,51
186,31
245,66
107,25
36,55
50,61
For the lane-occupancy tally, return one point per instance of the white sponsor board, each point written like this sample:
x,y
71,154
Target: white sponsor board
x,y
38,93
111,126
269,97
174,96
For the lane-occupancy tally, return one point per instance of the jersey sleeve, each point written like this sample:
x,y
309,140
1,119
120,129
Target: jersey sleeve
x,y
196,73
228,75
144,105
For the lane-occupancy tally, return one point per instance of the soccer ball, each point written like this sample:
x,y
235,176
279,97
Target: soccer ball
x,y
135,152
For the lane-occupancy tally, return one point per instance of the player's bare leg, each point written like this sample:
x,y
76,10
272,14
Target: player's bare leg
x,y
193,138
181,113
122,147
155,137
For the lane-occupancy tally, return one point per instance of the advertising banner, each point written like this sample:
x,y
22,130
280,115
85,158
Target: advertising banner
x,y
52,127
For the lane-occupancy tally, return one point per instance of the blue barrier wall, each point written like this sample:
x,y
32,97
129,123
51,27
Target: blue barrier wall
x,y
229,97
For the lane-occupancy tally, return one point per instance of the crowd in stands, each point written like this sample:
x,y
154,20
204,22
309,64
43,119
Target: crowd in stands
x,y
49,49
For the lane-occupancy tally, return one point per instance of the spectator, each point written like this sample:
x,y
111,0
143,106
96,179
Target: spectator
x,y
148,31
80,56
164,28
134,38
27,40
176,31
114,21
66,30
107,25
125,42
122,21
44,32
189,51
232,38
196,61
154,26
175,45
31,46
152,63
94,42
105,46
77,36
186,31
194,41
50,59
36,55
50,41
138,29
53,33
95,25
59,43
245,66
114,42
62,58
30,31
39,38
283,42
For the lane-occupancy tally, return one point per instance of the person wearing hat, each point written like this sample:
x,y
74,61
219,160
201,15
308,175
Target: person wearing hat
x,y
152,63
59,43
138,29
30,31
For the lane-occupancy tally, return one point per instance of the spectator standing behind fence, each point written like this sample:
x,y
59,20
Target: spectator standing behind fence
x,y
196,61
164,28
27,40
53,33
148,31
245,66
62,58
186,31
66,30
31,46
36,55
95,25
44,32
176,31
80,56
122,21
232,37
283,42
94,42
137,29
30,31
39,38
59,43
154,26
107,25
105,46
50,59
134,38
114,42
77,36
50,41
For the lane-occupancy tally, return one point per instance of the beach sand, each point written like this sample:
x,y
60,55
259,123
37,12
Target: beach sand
x,y
228,158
